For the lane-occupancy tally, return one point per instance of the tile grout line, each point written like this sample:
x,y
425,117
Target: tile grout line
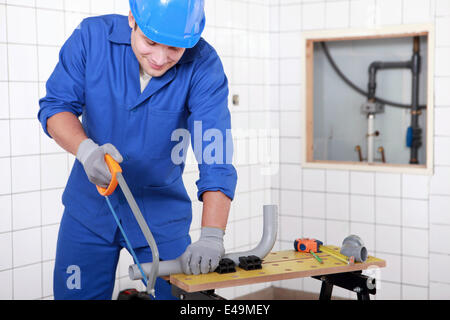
x,y
10,152
429,194
40,161
278,108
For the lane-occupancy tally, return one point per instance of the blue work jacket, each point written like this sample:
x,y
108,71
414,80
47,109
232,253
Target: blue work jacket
x,y
97,77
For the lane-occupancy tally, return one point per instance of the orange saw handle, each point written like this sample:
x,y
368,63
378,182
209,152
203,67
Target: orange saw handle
x,y
114,167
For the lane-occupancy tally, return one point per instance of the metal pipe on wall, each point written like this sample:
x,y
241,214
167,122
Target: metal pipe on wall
x,y
415,110
414,65
380,65
356,88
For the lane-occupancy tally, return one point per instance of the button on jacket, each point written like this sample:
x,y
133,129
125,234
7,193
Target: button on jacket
x,y
97,77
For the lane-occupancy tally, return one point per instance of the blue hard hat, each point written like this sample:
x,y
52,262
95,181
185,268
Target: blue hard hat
x,y
175,23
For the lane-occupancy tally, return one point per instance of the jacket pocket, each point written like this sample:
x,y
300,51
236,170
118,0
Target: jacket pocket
x,y
157,142
165,205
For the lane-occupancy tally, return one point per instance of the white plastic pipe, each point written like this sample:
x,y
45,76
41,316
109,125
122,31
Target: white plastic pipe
x,y
265,245
268,239
370,138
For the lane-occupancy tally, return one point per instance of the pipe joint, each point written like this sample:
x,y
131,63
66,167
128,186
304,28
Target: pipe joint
x,y
354,246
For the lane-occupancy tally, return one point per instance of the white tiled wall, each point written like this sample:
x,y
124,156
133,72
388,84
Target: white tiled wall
x,y
402,218
240,32
34,170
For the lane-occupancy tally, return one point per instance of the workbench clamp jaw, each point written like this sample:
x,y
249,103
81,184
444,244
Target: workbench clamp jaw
x,y
250,263
226,266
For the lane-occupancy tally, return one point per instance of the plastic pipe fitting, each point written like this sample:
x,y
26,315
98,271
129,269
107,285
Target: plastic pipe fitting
x,y
354,246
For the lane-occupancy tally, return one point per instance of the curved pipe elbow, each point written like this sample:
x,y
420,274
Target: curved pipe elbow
x,y
354,246
374,66
263,248
268,239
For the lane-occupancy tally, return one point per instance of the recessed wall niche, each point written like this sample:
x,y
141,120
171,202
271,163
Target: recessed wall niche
x,y
368,99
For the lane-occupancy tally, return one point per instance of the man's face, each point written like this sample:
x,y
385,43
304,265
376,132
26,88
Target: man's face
x,y
154,58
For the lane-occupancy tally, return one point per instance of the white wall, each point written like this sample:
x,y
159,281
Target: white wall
x,y
403,218
240,31
34,170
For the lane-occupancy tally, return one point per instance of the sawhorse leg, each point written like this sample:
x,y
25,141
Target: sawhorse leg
x,y
353,281
325,291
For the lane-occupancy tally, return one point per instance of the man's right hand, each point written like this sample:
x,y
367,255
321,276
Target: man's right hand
x,y
92,156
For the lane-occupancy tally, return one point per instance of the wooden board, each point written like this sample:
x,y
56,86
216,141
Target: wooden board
x,y
280,265
309,125
377,36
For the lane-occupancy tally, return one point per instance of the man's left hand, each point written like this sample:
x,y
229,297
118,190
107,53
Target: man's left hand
x,y
204,255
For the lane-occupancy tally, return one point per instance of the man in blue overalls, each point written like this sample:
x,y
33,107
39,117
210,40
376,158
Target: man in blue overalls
x,y
135,80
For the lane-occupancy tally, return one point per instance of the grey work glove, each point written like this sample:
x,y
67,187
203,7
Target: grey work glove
x,y
204,255
92,156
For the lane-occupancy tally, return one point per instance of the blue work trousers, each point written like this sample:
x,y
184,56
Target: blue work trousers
x,y
85,265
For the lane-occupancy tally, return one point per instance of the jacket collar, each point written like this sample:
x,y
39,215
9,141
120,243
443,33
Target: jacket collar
x,y
120,31
121,34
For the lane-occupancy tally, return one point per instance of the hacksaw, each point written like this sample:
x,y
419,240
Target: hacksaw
x,y
117,179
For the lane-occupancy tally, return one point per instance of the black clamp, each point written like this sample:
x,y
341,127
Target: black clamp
x,y
226,265
250,263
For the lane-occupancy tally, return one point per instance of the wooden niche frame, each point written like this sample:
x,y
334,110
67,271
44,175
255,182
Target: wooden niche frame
x,y
307,46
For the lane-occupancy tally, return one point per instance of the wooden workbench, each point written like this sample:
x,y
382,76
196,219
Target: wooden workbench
x,y
280,265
